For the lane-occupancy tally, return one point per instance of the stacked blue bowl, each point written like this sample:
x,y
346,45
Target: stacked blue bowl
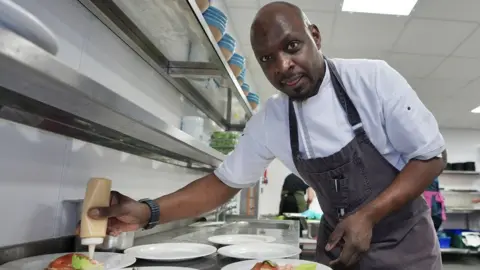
x,y
241,77
253,99
236,63
217,22
227,46
246,89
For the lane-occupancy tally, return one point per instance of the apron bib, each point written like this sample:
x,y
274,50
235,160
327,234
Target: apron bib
x,y
353,177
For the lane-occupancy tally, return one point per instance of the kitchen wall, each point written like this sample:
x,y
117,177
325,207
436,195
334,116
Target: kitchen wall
x,y
40,170
462,145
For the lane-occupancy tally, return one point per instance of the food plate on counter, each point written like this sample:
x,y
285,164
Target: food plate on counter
x,y
109,260
171,252
158,268
259,251
279,264
236,239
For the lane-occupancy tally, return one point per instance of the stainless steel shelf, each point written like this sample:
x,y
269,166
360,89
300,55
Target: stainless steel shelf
x,y
462,210
461,172
457,251
38,90
175,40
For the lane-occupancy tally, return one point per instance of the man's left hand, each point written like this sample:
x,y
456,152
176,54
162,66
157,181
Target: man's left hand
x,y
356,233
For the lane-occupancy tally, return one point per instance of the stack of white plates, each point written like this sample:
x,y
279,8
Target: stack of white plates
x,y
171,252
260,251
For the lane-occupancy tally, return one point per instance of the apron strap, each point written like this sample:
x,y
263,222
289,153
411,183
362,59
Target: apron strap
x,y
294,142
347,104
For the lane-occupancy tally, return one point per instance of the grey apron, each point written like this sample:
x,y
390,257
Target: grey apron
x,y
351,178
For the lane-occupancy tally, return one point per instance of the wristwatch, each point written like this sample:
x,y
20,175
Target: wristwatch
x,y
154,213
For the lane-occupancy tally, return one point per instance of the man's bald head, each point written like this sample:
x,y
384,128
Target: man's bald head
x,y
279,7
287,47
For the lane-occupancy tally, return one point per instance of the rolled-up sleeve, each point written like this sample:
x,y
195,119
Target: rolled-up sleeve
x,y
411,128
246,164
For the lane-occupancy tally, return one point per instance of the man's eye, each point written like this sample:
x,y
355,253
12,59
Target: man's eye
x,y
292,45
265,58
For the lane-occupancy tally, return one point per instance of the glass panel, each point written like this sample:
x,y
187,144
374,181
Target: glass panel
x,y
173,27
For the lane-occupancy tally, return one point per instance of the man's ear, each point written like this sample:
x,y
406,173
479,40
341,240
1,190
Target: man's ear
x,y
317,38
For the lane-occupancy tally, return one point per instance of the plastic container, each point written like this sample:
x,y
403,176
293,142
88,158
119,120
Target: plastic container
x,y
237,63
253,100
193,125
246,89
445,242
203,5
227,45
93,232
241,77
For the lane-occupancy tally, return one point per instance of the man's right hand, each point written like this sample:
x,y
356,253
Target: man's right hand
x,y
124,214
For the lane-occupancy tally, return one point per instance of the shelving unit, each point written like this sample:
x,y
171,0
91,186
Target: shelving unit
x,y
156,30
38,90
53,97
458,251
461,172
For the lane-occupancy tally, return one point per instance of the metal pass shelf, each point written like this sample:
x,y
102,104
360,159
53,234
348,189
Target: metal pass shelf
x,y
173,38
38,90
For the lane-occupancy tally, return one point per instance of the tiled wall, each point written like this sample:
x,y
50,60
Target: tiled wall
x,y
39,170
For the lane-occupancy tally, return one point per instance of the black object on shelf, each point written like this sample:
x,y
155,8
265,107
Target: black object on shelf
x,y
468,166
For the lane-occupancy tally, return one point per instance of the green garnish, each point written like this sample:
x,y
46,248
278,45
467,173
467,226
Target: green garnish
x,y
82,263
272,264
306,266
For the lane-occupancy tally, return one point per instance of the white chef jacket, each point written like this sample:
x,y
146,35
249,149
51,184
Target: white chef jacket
x,y
394,118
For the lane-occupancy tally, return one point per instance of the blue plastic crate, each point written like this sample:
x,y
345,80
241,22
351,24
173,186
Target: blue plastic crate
x,y
445,242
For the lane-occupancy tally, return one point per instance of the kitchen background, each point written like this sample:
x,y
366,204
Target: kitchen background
x,y
436,49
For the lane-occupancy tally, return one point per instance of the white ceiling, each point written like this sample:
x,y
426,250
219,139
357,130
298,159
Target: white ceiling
x,y
437,48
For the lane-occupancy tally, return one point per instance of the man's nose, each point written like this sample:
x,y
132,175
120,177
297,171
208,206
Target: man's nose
x,y
283,63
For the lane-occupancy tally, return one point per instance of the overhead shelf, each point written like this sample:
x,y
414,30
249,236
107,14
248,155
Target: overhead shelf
x,y
38,90
174,38
461,172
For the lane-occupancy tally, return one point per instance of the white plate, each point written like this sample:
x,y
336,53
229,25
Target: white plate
x,y
157,268
110,260
247,265
259,251
171,251
23,23
236,239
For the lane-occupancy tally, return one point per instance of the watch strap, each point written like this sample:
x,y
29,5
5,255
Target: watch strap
x,y
154,213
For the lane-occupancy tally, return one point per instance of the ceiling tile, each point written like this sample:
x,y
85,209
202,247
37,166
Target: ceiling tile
x,y
425,36
458,68
324,22
414,65
366,30
309,5
470,47
241,19
472,91
353,52
242,3
439,88
461,10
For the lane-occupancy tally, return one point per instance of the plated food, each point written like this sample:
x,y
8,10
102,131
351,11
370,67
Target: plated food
x,y
276,264
74,261
271,265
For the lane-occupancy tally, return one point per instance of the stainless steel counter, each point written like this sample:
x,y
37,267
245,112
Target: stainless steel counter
x,y
285,232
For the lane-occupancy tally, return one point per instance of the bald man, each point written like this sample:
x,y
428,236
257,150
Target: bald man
x,y
353,130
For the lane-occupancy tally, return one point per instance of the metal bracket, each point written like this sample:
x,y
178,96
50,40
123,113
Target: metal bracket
x,y
185,69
